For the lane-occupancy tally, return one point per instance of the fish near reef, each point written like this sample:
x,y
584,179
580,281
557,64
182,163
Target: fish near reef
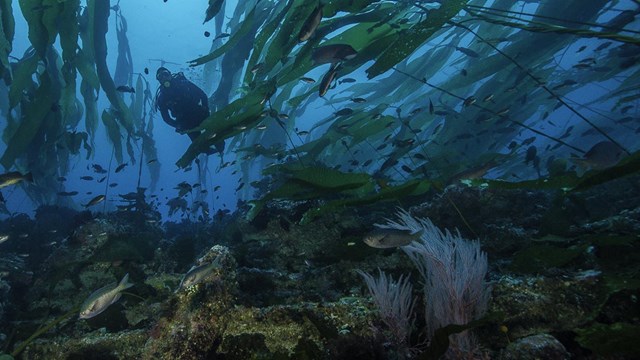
x,y
198,273
390,238
14,177
104,297
602,155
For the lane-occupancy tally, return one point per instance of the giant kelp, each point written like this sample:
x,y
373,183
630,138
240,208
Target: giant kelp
x,y
44,112
442,89
460,86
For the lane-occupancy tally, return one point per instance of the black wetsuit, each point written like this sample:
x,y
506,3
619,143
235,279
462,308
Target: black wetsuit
x,y
184,106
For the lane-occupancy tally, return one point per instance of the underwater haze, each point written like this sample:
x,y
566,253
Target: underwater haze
x,y
333,179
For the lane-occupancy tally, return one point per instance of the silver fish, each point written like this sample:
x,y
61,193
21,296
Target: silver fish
x,y
390,238
104,297
95,200
198,273
14,177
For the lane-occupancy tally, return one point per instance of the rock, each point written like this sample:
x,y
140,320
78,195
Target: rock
x,y
543,346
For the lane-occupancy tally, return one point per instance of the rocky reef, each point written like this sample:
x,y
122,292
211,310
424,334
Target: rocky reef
x,y
563,269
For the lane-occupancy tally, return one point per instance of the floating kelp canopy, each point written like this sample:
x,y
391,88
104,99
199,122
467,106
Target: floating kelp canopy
x,y
427,93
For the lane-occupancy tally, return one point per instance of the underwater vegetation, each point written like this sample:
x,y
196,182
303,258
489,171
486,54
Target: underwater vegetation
x,y
276,287
481,157
419,95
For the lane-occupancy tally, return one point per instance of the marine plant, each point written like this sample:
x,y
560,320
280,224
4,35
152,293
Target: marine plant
x,y
394,300
44,111
450,88
453,270
433,90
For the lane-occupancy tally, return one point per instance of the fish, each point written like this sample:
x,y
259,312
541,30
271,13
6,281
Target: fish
x,y
14,177
347,80
3,238
475,172
407,169
70,193
95,200
308,80
567,133
625,120
469,101
625,109
113,185
198,273
151,161
120,167
222,36
207,34
528,141
600,156
359,100
257,67
102,298
390,238
311,24
532,151
98,169
125,89
213,9
146,71
344,112
327,79
86,178
567,82
101,180
332,54
431,109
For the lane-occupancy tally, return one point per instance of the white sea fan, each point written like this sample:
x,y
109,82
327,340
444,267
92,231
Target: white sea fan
x,y
453,270
395,303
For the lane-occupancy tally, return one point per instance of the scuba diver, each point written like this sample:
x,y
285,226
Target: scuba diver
x,y
183,105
